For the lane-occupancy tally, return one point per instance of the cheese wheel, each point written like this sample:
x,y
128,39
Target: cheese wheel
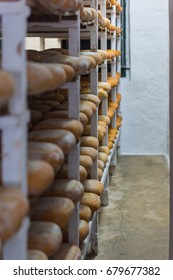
x,y
39,106
53,209
40,176
100,174
89,141
44,236
70,73
89,151
83,230
83,14
102,123
86,109
36,255
92,200
48,152
85,212
83,119
102,94
71,125
67,252
89,103
104,118
6,86
101,164
104,85
91,61
104,149
56,114
54,96
95,55
13,209
103,156
71,189
93,186
86,162
64,139
63,174
53,104
90,97
36,116
110,144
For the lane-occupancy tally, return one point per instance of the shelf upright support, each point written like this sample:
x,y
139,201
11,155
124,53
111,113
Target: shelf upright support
x,y
14,131
74,110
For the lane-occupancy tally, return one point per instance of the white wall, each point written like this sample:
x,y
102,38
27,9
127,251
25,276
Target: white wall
x,y
145,96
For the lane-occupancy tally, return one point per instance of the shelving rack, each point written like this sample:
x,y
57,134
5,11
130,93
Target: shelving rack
x,y
14,126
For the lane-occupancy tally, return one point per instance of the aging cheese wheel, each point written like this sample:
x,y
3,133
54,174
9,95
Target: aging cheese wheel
x,y
67,252
90,97
86,109
13,209
53,209
85,212
91,61
103,156
89,103
104,149
6,86
93,186
89,141
101,164
92,200
71,189
83,230
73,126
64,139
89,151
44,236
100,174
48,152
36,255
36,116
83,119
39,106
104,118
86,162
53,104
63,174
104,85
102,123
40,176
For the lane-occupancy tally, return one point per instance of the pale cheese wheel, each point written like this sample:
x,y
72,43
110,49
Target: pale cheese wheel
x,y
95,55
104,85
86,162
6,86
89,151
93,186
70,73
40,176
104,149
36,255
67,252
86,109
104,118
83,230
90,97
102,123
83,119
92,200
44,236
85,212
101,164
102,94
103,156
83,14
91,61
89,103
100,174
71,125
53,209
13,209
64,139
71,189
89,141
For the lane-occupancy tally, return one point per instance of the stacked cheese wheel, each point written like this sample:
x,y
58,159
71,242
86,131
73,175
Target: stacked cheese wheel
x,y
105,22
88,15
55,6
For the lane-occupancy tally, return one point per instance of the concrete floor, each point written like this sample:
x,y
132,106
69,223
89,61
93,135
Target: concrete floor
x,y
135,225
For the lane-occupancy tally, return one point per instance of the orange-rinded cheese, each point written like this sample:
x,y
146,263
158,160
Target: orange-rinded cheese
x,y
48,152
53,209
104,149
85,212
86,162
89,141
36,255
89,151
83,230
67,252
40,176
71,125
64,139
92,200
13,209
71,189
44,236
93,186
